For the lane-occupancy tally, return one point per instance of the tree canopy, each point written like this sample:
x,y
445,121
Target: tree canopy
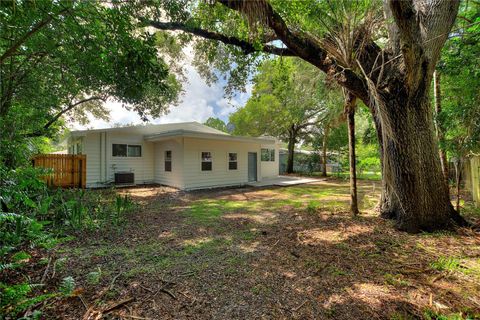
x,y
288,102
459,70
286,93
62,60
389,67
216,123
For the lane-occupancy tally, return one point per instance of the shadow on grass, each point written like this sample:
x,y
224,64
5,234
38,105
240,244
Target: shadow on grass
x,y
276,253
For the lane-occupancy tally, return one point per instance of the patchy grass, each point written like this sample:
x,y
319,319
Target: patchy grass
x,y
275,253
446,264
376,176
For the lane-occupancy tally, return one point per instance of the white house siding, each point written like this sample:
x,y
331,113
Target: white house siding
x,y
91,148
270,169
220,175
175,177
142,167
186,160
101,165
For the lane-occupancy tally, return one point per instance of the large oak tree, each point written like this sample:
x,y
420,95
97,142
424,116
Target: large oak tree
x,y
394,80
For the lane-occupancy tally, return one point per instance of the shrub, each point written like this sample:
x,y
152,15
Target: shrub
x,y
35,216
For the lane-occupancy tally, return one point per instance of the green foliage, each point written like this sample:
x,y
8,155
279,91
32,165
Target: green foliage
x,y
16,298
34,216
288,97
313,206
93,278
67,286
307,163
368,158
216,124
81,54
396,280
215,60
460,84
446,264
430,314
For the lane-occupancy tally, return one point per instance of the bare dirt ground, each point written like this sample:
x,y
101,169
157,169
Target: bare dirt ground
x,y
271,253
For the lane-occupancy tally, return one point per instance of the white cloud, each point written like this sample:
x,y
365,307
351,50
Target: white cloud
x,y
198,103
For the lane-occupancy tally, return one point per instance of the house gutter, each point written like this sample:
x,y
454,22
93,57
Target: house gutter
x,y
200,135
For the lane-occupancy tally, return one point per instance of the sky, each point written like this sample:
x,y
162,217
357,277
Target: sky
x,y
197,103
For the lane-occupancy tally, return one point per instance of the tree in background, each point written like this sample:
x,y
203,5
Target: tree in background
x,y
287,102
327,134
458,105
216,123
393,78
61,60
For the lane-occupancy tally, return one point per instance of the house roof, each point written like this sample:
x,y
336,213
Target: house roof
x,y
155,128
206,135
160,132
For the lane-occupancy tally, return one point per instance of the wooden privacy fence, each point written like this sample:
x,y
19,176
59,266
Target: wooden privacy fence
x,y
68,170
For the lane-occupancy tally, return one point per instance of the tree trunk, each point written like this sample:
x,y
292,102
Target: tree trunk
x,y
437,93
415,194
324,151
350,103
291,149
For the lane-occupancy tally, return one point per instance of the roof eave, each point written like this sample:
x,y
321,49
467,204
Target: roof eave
x,y
203,135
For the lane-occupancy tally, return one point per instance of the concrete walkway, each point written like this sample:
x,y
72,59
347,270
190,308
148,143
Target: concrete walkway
x,y
282,181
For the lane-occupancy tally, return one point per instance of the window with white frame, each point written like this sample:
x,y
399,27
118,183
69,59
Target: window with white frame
x,y
267,155
206,161
126,150
168,160
232,161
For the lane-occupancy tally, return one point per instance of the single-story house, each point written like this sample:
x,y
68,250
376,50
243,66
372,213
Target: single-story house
x,y
183,155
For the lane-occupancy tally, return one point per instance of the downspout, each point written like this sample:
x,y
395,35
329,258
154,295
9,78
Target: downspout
x,y
100,155
105,148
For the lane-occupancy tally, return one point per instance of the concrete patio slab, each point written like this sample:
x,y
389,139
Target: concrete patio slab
x,y
282,181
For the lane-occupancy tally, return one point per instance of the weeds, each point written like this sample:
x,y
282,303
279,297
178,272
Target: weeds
x,y
429,314
446,264
33,216
396,280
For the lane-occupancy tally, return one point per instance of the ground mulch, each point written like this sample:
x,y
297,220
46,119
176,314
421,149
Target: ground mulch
x,y
270,253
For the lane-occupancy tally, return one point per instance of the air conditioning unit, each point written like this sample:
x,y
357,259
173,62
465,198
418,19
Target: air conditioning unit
x,y
124,178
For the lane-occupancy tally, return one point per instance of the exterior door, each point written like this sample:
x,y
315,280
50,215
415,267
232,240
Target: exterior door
x,y
252,166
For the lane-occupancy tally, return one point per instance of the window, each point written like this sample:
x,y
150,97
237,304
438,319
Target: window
x,y
119,150
206,161
268,154
232,161
126,150
168,161
134,151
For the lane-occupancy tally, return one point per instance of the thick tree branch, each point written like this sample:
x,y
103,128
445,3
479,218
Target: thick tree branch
x,y
408,23
307,48
37,27
423,27
61,113
246,46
